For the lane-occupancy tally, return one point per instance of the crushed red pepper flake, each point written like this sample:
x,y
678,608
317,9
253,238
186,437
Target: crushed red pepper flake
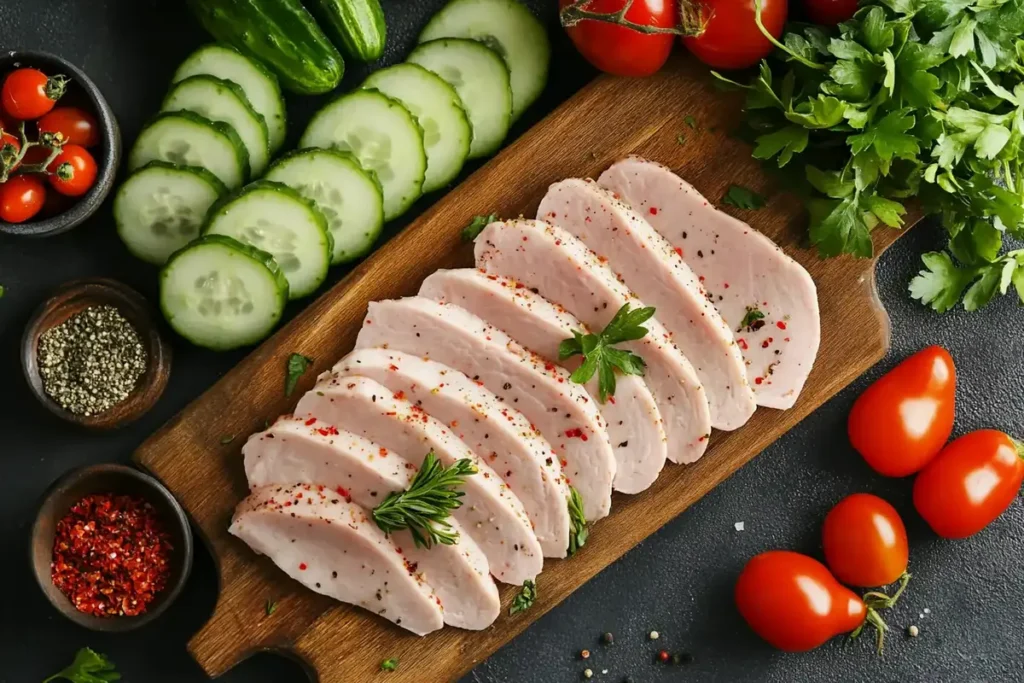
x,y
111,555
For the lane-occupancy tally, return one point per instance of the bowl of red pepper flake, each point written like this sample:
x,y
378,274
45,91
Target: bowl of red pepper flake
x,y
111,547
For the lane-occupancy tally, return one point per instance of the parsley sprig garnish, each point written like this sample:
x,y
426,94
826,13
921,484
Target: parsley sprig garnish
x,y
743,198
476,226
599,352
578,530
524,598
909,99
425,506
389,664
89,667
295,368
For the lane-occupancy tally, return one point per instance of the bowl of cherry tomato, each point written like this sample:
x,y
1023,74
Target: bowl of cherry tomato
x,y
59,145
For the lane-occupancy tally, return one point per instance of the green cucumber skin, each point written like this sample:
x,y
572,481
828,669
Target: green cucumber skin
x,y
356,26
280,33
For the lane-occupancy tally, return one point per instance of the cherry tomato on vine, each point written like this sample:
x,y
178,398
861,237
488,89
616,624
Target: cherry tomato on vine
x,y
794,603
865,541
82,173
21,198
76,125
970,483
29,93
905,418
620,50
830,12
731,38
8,154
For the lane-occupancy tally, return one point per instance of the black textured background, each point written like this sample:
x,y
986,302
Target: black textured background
x,y
678,582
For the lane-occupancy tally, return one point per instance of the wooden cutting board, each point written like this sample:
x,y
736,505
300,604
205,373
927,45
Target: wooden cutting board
x,y
605,121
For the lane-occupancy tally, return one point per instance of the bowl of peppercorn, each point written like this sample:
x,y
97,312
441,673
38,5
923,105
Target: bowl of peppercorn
x,y
111,548
93,354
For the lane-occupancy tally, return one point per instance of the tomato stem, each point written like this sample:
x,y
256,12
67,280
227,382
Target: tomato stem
x,y
10,164
1019,446
767,34
573,14
55,86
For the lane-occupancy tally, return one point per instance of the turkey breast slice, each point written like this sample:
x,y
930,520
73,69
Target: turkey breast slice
x,y
649,266
490,513
331,546
500,435
742,271
552,262
540,390
634,423
307,451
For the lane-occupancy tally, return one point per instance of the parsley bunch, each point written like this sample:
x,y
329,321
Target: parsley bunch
x,y
89,667
910,99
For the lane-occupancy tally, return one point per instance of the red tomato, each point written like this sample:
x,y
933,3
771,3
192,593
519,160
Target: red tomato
x,y
905,418
731,38
21,197
82,171
865,541
620,50
794,603
76,125
28,93
971,482
830,12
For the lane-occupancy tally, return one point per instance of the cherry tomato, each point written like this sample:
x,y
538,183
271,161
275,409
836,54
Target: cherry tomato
x,y
82,173
29,93
21,198
731,38
830,12
905,418
865,541
620,50
970,483
794,603
76,125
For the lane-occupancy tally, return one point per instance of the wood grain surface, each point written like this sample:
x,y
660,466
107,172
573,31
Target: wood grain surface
x,y
605,121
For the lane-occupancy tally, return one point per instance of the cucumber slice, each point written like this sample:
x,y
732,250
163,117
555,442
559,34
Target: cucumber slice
x,y
260,86
276,219
438,109
224,101
187,139
383,135
161,207
349,197
221,294
507,27
481,78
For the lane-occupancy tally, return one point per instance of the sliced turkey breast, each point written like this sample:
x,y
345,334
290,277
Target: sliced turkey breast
x,y
505,439
634,423
491,514
558,266
540,390
744,273
649,266
297,450
331,546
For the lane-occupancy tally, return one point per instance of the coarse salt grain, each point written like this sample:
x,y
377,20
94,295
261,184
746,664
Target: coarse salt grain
x,y
740,526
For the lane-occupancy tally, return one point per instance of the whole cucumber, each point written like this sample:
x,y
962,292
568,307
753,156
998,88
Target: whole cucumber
x,y
279,33
356,26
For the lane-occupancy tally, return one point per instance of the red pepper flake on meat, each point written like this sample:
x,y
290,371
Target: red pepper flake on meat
x,y
653,210
303,567
111,555
344,494
679,250
742,343
576,433
311,421
328,431
781,325
399,395
393,368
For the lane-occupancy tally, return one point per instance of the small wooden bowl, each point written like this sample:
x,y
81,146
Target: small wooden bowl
x,y
82,92
77,296
110,479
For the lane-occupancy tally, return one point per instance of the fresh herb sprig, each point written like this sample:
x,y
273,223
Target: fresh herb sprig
x,y
599,352
743,198
910,99
389,664
88,667
476,226
295,368
524,598
578,530
425,506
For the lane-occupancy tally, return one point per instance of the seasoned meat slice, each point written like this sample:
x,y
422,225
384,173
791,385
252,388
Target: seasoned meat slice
x,y
634,423
331,546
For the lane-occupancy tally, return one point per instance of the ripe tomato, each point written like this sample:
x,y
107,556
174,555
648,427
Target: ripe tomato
x,y
28,93
905,418
794,603
865,541
620,50
21,197
830,12
82,171
970,483
731,38
76,125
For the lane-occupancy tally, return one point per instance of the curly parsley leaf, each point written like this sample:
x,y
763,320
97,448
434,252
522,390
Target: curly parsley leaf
x,y
524,598
477,225
743,198
599,355
88,667
296,367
